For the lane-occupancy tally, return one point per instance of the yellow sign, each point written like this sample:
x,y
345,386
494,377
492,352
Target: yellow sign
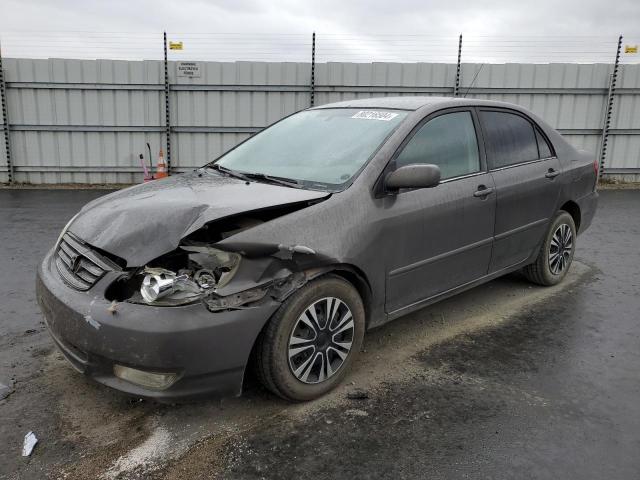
x,y
631,49
175,45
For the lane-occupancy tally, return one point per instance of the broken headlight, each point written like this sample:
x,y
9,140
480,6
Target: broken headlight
x,y
159,283
206,270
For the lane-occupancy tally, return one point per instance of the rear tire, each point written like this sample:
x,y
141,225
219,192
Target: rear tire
x,y
556,253
301,354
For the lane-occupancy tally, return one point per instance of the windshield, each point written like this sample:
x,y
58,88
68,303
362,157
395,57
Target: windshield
x,y
316,148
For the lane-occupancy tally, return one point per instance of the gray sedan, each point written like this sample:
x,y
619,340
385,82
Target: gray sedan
x,y
287,248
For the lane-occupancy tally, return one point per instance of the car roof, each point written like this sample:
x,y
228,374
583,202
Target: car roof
x,y
414,103
428,105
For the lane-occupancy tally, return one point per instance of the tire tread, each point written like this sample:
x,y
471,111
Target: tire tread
x,y
264,349
533,272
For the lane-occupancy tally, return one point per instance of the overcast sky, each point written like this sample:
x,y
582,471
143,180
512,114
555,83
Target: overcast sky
x,y
337,22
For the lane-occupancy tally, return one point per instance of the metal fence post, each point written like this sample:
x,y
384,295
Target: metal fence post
x,y
456,88
167,118
312,86
607,118
5,122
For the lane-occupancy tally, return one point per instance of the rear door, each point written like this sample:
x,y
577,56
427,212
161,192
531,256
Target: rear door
x,y
525,171
440,237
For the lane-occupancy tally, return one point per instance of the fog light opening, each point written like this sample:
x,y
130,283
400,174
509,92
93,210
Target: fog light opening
x,y
153,380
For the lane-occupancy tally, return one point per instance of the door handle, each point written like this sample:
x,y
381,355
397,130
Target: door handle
x,y
552,173
483,191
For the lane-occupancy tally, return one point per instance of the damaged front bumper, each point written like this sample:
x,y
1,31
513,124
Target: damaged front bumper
x,y
207,351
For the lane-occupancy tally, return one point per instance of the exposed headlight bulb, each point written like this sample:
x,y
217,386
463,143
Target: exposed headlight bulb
x,y
205,279
208,269
158,285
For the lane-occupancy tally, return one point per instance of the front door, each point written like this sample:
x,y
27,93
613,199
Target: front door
x,y
440,237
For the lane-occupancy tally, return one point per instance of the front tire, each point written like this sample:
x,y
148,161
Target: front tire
x,y
556,254
309,344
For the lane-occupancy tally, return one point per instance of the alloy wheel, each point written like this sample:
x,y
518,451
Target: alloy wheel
x,y
321,340
560,249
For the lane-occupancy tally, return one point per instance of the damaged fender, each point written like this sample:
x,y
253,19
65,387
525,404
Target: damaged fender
x,y
221,280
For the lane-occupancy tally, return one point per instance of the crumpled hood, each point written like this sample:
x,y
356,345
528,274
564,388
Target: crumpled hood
x,y
141,223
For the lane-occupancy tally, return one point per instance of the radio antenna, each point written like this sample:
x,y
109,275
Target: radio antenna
x,y
473,81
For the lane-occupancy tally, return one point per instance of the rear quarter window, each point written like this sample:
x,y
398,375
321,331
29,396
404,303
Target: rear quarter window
x,y
543,146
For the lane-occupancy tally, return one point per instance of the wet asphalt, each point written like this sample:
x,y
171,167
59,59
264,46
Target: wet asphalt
x,y
551,392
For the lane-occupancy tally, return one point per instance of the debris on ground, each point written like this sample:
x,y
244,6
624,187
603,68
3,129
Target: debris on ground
x,y
357,394
30,441
355,412
5,390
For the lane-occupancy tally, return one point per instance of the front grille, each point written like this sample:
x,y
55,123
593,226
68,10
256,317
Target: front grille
x,y
79,266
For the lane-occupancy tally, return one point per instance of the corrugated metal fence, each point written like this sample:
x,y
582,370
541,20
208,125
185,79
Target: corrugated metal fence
x,y
87,121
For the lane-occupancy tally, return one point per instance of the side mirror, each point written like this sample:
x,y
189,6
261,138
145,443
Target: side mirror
x,y
413,176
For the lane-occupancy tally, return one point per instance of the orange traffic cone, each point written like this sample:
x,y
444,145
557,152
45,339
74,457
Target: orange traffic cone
x,y
161,169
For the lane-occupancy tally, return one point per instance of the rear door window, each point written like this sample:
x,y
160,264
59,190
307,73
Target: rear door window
x,y
449,141
509,138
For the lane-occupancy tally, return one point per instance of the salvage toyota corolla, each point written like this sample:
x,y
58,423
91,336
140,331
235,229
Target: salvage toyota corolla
x,y
287,248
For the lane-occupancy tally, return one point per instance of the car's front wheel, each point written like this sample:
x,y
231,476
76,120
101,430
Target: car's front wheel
x,y
556,254
311,341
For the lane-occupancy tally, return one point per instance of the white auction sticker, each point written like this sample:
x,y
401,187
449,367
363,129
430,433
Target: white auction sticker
x,y
373,115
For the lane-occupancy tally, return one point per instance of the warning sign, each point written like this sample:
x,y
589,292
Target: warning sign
x,y
188,69
631,49
175,45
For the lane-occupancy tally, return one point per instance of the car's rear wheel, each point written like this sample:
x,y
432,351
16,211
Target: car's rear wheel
x,y
311,341
556,254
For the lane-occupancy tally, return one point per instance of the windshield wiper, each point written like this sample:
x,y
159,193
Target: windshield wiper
x,y
229,171
247,176
288,182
